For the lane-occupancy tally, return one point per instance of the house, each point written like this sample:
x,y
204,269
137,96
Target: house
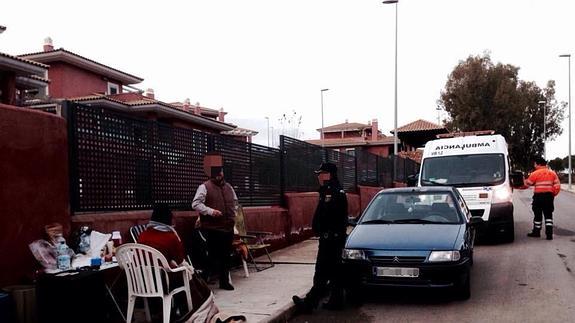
x,y
80,79
348,136
21,80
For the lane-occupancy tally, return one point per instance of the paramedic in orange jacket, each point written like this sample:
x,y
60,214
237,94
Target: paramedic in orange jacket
x,y
546,186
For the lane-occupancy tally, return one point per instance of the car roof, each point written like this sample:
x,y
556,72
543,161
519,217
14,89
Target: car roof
x,y
419,189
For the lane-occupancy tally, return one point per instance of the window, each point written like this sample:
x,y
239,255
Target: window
x,y
464,170
350,151
413,207
113,88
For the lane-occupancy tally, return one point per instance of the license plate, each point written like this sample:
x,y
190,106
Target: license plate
x,y
395,272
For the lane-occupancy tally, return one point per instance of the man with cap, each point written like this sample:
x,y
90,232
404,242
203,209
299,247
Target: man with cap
x,y
216,201
329,224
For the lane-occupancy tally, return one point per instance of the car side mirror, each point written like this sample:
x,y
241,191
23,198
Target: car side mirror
x,y
352,221
517,179
412,180
476,220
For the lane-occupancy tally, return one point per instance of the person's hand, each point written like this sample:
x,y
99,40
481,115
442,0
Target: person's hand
x,y
216,213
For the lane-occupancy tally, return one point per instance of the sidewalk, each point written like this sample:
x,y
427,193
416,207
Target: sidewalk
x,y
265,296
565,187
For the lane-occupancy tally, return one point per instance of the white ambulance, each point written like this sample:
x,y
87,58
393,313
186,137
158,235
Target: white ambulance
x,y
477,164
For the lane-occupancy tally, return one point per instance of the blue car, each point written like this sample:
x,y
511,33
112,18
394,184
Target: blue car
x,y
413,237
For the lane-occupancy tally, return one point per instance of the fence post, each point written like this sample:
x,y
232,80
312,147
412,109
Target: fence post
x,y
282,171
69,113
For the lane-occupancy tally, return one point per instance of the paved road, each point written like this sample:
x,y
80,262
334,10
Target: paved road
x,y
530,280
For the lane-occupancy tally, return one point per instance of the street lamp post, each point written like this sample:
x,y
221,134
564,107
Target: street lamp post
x,y
322,138
544,103
268,119
569,159
396,2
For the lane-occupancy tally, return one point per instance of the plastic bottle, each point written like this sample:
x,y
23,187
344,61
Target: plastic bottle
x,y
63,259
84,244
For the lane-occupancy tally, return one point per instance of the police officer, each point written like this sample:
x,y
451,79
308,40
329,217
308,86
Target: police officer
x,y
546,186
329,224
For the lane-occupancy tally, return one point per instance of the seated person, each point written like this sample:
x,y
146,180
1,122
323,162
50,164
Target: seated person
x,y
160,235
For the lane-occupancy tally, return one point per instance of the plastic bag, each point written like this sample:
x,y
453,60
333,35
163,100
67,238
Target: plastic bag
x,y
45,253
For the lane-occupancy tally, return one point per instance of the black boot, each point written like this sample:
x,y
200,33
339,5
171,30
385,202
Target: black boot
x,y
335,302
536,233
302,305
549,232
225,285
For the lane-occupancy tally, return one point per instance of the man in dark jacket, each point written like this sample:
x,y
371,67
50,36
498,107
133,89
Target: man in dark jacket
x,y
216,201
329,224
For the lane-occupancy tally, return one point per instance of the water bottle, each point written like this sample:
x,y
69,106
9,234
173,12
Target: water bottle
x,y
84,244
63,259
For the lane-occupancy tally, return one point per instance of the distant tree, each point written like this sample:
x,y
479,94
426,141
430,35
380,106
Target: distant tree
x,y
566,163
557,164
290,124
481,95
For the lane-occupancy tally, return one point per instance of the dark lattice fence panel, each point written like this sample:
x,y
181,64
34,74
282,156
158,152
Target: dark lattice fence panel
x,y
124,163
265,175
411,167
385,168
113,161
367,168
345,169
300,159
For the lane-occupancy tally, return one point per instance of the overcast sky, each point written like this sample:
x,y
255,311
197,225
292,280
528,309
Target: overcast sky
x,y
266,57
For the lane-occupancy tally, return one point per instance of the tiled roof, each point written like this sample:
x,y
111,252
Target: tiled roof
x,y
24,60
240,132
139,100
52,55
192,106
352,142
420,125
413,155
346,126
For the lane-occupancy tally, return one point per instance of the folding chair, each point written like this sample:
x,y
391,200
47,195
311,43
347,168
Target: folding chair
x,y
147,275
253,240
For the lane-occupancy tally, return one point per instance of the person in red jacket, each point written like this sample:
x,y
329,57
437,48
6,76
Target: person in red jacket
x,y
546,186
160,235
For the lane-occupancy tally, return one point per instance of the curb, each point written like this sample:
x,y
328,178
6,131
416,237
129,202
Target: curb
x,y
282,315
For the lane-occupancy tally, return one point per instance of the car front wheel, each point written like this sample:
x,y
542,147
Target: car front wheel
x,y
463,288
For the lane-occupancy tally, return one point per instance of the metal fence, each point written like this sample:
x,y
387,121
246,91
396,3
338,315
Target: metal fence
x,y
125,163
119,162
362,168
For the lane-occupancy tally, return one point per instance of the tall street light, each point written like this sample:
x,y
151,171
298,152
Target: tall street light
x,y
544,103
569,159
268,119
396,2
321,92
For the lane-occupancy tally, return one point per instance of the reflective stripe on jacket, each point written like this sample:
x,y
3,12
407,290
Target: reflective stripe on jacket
x,y
544,180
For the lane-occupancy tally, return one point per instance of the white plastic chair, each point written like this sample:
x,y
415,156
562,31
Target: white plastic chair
x,y
147,275
136,230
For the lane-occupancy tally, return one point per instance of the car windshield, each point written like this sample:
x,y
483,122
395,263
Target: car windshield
x,y
412,208
464,170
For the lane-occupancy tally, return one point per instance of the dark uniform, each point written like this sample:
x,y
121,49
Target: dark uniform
x,y
330,225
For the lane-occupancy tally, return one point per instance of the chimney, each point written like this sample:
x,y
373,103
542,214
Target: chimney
x,y
186,106
48,44
197,109
374,130
149,93
221,115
